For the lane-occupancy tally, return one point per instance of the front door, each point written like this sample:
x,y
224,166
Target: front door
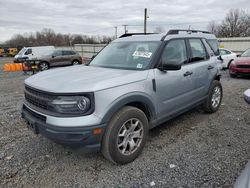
x,y
56,59
174,89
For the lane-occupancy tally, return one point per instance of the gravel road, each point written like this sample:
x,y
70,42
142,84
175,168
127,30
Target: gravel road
x,y
193,150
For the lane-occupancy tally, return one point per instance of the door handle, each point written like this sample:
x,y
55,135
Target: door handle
x,y
210,67
188,73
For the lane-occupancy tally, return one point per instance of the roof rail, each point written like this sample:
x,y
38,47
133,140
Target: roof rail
x,y
176,31
131,34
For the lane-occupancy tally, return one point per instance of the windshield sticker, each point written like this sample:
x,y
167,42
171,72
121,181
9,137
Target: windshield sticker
x,y
142,54
139,66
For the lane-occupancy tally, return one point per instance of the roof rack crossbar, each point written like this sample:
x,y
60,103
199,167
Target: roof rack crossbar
x,y
176,31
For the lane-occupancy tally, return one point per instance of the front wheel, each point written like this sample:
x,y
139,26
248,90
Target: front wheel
x,y
214,98
125,135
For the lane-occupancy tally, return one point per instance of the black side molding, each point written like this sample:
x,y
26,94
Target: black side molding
x,y
154,85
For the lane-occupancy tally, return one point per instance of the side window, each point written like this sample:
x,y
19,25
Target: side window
x,y
28,51
198,51
57,53
227,52
175,51
66,53
222,52
213,43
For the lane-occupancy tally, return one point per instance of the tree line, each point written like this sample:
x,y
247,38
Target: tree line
x,y
235,24
49,37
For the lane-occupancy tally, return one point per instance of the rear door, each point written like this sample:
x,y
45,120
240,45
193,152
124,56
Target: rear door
x,y
67,56
203,67
174,89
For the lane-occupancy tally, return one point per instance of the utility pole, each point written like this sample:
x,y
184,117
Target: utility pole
x,y
145,20
116,32
125,28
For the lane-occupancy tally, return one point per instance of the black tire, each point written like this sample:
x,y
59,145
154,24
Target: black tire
x,y
76,62
110,148
43,66
208,105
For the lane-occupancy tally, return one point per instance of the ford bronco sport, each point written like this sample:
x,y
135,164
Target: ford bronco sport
x,y
134,84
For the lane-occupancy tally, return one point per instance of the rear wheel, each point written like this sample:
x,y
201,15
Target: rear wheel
x,y
75,62
214,98
125,135
43,66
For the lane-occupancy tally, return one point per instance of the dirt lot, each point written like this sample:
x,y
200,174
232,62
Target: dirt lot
x,y
193,150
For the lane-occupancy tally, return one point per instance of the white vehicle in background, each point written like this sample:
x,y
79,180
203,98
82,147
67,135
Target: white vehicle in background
x,y
32,53
227,56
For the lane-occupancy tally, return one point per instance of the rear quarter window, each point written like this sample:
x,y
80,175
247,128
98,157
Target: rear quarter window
x,y
214,45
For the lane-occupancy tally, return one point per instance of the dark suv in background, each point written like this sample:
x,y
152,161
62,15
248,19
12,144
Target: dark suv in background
x,y
59,58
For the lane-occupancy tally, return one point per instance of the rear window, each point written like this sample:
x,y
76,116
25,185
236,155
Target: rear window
x,y
214,45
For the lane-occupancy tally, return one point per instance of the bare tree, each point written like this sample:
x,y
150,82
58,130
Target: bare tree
x,y
213,27
49,37
235,24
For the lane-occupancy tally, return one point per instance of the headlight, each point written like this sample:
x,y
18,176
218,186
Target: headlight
x,y
71,104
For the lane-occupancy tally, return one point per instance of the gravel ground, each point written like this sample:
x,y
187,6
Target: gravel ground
x,y
193,150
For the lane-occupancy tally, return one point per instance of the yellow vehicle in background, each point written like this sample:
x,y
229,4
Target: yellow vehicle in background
x,y
12,52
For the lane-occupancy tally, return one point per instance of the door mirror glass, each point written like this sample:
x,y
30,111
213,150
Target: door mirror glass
x,y
220,58
170,65
93,57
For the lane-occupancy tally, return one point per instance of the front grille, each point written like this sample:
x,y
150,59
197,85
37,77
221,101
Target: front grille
x,y
243,66
34,114
38,98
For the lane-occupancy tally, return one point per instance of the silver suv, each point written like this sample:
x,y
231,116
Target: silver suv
x,y
134,84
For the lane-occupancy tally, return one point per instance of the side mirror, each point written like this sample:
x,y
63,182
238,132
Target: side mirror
x,y
238,55
53,56
220,58
170,65
93,57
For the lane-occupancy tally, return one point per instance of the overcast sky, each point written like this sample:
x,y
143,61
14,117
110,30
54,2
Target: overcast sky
x,y
99,17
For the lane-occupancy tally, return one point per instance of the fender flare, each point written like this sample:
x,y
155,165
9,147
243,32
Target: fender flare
x,y
124,100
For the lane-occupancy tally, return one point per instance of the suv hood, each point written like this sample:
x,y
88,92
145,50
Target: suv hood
x,y
82,78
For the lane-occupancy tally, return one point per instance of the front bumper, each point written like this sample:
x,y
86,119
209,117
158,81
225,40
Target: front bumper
x,y
80,136
236,70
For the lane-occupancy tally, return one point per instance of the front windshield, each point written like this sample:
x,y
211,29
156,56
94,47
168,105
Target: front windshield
x,y
246,53
126,55
22,51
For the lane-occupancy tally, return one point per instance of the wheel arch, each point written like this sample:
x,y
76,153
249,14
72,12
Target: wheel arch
x,y
139,101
